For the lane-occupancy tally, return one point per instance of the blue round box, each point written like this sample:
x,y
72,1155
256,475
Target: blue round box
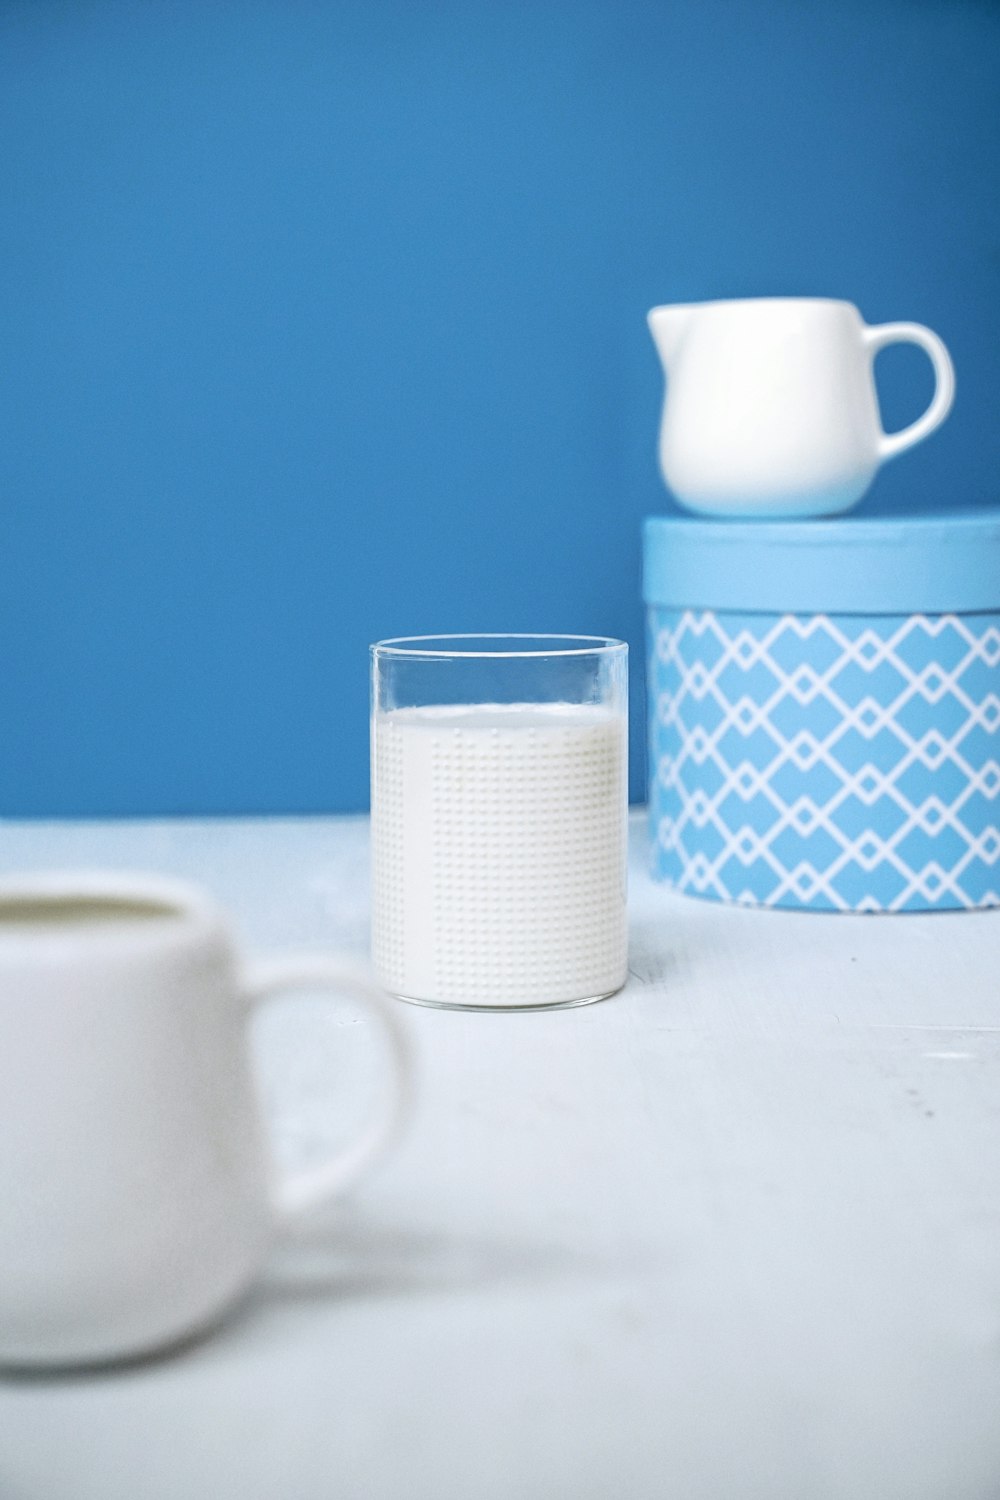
x,y
824,710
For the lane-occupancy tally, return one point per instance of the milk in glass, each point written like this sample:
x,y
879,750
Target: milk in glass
x,y
498,845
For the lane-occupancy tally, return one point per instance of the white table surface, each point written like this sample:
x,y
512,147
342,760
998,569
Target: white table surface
x,y
734,1233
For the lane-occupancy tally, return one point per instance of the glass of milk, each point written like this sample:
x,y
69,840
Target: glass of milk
x,y
499,806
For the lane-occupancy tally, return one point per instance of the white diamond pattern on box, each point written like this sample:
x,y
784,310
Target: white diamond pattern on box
x,y
843,762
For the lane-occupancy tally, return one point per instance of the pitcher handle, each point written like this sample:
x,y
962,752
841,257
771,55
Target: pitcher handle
x,y
878,338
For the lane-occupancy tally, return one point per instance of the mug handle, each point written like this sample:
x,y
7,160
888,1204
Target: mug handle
x,y
877,338
313,1186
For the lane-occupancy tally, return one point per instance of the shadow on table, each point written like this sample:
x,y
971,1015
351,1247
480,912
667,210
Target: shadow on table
x,y
344,1256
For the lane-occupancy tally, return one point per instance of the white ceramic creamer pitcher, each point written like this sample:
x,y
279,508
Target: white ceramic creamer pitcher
x,y
771,407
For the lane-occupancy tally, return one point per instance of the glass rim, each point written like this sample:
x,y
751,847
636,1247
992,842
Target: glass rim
x,y
445,647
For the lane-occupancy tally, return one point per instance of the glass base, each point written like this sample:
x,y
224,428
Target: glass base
x,y
470,1005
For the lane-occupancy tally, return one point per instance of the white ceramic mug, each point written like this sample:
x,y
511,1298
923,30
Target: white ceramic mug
x,y
771,408
136,1196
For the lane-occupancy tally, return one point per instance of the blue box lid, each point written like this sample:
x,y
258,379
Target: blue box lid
x,y
888,565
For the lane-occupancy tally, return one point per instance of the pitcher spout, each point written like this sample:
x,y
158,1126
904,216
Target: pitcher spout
x,y
667,325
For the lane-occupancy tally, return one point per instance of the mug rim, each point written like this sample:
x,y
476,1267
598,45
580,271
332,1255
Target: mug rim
x,y
182,903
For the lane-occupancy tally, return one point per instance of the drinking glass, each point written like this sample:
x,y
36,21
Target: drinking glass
x,y
499,813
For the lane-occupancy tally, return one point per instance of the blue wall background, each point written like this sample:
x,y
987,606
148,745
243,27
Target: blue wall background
x,y
325,321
